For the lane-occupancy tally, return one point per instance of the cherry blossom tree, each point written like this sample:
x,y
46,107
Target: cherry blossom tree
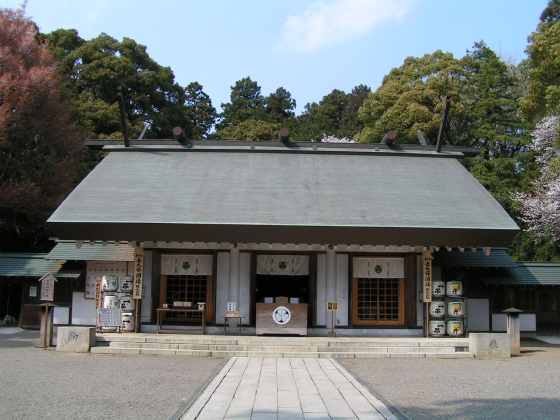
x,y
540,208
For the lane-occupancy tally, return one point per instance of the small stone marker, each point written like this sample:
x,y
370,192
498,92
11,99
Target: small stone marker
x,y
75,339
490,345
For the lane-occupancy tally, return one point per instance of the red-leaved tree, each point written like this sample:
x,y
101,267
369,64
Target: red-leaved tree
x,y
40,147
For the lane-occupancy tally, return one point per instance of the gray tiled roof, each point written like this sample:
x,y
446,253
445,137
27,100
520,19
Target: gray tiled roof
x,y
92,251
498,258
27,265
234,195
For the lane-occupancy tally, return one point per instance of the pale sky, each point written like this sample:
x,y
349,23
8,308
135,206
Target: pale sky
x,y
309,47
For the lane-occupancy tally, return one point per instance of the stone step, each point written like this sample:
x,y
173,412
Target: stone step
x,y
275,354
303,341
282,348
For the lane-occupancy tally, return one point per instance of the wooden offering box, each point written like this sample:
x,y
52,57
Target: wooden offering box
x,y
281,318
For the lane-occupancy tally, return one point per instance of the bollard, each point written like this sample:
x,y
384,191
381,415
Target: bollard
x,y
514,329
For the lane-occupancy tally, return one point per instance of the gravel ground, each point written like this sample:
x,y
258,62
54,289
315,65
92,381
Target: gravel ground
x,y
40,384
523,387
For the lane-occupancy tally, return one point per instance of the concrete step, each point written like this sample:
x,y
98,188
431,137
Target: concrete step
x,y
282,348
275,354
287,341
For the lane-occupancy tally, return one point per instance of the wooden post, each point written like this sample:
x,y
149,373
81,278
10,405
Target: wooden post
x,y
46,332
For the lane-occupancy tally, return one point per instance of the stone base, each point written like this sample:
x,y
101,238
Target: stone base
x,y
490,345
75,339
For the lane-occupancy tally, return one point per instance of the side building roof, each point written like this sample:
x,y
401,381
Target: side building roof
x,y
91,251
27,265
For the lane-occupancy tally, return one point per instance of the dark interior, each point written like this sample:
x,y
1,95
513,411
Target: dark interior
x,y
288,286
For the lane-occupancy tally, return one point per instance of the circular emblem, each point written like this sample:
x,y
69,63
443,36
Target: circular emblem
x,y
378,269
282,265
281,315
186,265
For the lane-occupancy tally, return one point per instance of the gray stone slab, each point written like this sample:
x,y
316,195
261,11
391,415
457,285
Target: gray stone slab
x,y
290,389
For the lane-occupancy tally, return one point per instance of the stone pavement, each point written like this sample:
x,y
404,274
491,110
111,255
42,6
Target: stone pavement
x,y
298,388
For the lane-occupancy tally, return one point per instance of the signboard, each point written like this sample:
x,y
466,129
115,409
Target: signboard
x,y
332,306
47,287
427,276
109,317
138,273
91,283
98,293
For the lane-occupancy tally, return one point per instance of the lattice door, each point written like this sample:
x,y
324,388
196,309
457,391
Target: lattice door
x,y
192,289
377,301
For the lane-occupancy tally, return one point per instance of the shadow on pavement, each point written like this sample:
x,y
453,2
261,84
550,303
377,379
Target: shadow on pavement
x,y
534,408
18,339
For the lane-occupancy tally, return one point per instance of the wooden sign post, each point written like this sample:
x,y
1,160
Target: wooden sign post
x,y
137,285
427,287
47,310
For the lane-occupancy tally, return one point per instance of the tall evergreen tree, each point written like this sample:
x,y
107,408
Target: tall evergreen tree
x,y
279,105
201,114
246,102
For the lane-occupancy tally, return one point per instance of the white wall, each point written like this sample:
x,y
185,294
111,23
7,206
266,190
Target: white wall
x,y
83,310
233,283
332,286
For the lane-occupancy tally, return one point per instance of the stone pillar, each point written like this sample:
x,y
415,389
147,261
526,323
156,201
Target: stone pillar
x,y
514,329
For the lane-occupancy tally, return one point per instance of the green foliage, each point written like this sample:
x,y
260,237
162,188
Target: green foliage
x,y
530,247
96,70
551,13
409,98
280,106
335,115
200,112
251,129
484,95
543,86
246,102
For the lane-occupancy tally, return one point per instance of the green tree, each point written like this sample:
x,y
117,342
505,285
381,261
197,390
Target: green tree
x,y
95,71
484,93
551,12
543,86
201,114
410,98
335,115
489,96
251,129
280,106
246,102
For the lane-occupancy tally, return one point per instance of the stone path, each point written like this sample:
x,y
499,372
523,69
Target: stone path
x,y
298,388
